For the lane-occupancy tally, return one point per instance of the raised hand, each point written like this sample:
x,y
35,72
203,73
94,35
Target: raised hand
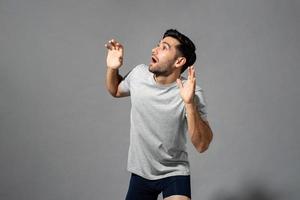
x,y
115,53
187,91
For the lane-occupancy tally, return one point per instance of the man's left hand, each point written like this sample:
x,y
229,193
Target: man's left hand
x,y
187,91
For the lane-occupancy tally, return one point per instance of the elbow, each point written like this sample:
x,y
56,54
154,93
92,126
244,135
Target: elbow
x,y
117,95
203,145
113,93
112,90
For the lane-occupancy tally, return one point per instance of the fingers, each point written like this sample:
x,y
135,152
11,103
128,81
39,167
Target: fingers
x,y
191,73
113,45
179,83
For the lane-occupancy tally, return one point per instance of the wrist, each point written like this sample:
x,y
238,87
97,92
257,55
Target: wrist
x,y
190,106
113,68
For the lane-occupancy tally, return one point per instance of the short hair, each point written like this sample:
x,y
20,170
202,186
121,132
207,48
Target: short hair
x,y
186,47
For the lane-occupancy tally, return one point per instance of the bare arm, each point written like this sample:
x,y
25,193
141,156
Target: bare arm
x,y
199,130
114,61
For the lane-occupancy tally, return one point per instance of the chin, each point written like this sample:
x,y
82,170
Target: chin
x,y
151,64
151,67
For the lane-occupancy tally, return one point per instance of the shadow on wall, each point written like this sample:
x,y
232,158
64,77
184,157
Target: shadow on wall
x,y
253,191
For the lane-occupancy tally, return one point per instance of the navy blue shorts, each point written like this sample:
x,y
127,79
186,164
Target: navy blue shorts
x,y
144,189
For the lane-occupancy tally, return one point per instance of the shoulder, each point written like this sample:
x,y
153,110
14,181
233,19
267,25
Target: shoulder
x,y
198,89
141,68
135,71
141,71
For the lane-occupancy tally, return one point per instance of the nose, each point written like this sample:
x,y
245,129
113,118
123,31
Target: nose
x,y
154,50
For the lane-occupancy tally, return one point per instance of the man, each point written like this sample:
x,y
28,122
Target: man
x,y
165,107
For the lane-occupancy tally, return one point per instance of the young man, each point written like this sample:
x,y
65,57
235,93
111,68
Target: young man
x,y
165,107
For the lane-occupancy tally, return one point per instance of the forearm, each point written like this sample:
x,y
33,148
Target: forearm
x,y
113,78
199,130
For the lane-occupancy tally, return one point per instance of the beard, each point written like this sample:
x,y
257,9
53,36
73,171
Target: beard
x,y
156,71
162,70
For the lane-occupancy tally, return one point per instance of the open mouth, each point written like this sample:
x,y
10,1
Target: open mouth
x,y
154,59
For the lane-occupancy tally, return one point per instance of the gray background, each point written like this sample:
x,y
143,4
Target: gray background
x,y
63,137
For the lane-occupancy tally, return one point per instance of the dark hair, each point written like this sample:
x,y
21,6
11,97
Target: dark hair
x,y
186,47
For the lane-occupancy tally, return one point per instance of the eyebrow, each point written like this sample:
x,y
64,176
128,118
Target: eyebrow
x,y
166,44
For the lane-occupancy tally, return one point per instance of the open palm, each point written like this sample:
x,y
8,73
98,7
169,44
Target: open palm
x,y
115,53
187,91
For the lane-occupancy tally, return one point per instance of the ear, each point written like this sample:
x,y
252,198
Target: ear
x,y
180,61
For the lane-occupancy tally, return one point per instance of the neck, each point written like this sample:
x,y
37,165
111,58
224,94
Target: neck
x,y
164,80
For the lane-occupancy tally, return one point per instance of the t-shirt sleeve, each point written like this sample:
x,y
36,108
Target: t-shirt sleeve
x,y
201,103
125,83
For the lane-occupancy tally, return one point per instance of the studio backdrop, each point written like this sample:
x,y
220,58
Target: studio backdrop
x,y
63,137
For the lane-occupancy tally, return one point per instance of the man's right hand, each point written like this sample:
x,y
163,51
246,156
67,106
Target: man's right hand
x,y
115,53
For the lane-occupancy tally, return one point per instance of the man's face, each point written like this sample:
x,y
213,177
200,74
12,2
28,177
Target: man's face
x,y
164,56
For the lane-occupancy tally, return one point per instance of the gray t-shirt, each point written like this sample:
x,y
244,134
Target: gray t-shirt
x,y
158,125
